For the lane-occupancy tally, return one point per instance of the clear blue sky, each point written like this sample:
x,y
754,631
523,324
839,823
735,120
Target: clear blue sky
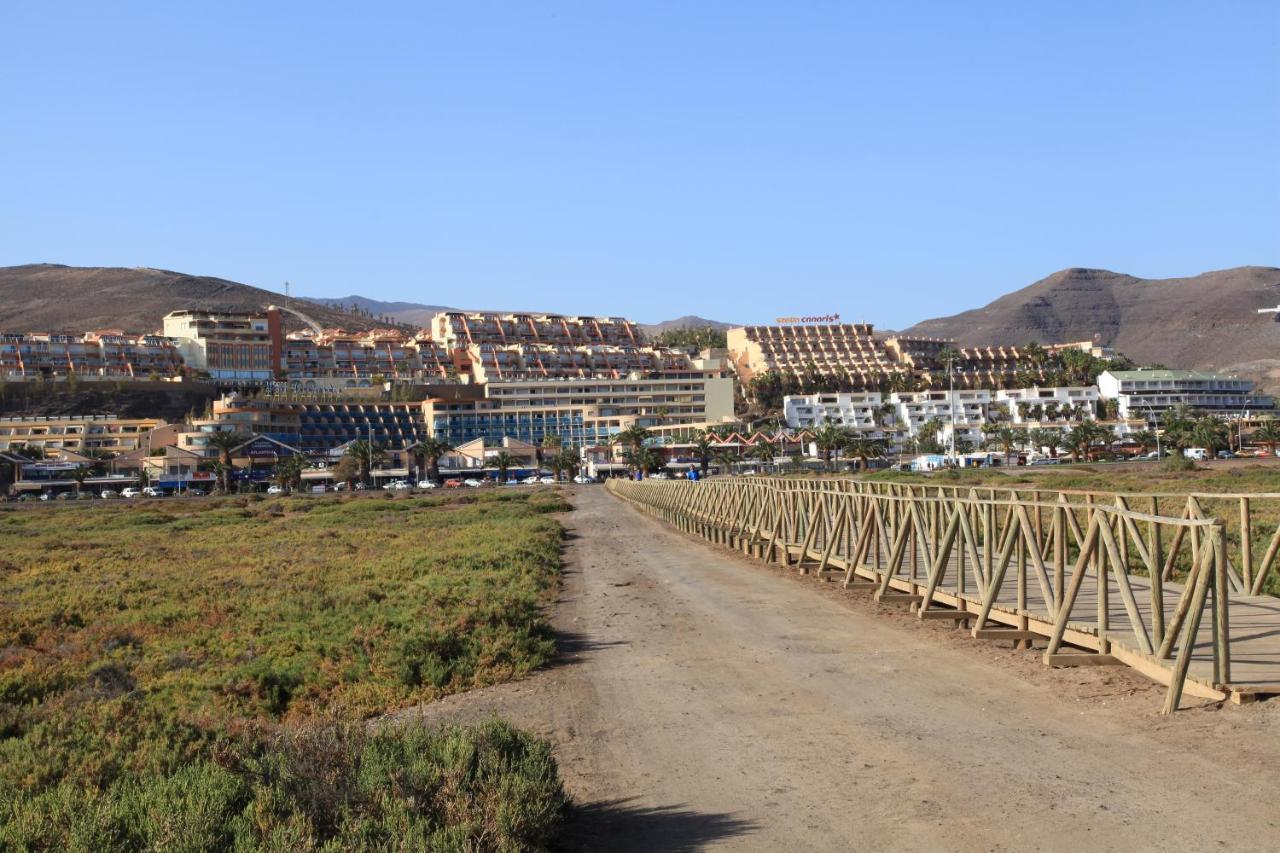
x,y
738,160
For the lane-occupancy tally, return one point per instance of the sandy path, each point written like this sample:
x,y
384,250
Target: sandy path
x,y
708,701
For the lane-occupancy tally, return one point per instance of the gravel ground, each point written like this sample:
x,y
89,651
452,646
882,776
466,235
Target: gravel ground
x,y
704,700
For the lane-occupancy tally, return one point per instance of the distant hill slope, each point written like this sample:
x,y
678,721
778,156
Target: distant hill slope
x,y
687,322
417,314
52,297
410,313
1205,321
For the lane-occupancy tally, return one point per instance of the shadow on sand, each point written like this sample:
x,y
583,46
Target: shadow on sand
x,y
618,825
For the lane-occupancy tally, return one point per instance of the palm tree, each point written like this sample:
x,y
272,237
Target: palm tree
x,y
703,448
1007,438
1144,438
432,450
1045,437
368,456
551,442
225,441
569,461
762,452
1210,433
863,449
504,462
289,471
80,475
1267,434
633,436
1080,439
725,460
829,438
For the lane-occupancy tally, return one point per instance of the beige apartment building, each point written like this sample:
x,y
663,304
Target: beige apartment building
x,y
78,434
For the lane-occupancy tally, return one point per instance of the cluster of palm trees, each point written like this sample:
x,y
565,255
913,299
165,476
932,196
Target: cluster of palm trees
x,y
635,450
833,440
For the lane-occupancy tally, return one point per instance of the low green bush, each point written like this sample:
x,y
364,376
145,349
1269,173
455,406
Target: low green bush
x,y
328,787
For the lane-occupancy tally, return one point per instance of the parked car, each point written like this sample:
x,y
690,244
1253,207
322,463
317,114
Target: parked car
x,y
472,483
1044,460
66,496
583,478
152,492
46,496
397,486
107,494
426,484
130,492
275,489
548,481
1198,453
1227,454
453,484
195,492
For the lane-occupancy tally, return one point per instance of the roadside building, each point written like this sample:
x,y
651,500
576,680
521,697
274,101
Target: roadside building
x,y
1148,393
580,411
77,433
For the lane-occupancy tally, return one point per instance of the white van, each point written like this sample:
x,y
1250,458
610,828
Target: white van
x,y
1197,453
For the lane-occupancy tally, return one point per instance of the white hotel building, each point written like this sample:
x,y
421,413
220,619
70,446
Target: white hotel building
x,y
902,415
1148,393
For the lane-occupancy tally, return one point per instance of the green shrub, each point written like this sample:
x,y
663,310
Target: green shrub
x,y
487,786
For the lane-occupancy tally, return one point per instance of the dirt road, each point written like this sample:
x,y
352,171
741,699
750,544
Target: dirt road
x,y
706,701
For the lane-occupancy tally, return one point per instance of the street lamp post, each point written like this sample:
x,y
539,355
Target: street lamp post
x,y
951,400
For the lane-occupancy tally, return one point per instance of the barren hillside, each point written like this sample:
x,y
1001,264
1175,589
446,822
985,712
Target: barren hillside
x,y
52,297
1205,321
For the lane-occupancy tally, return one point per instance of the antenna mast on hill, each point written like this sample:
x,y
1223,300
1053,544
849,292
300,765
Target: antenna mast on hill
x,y
286,294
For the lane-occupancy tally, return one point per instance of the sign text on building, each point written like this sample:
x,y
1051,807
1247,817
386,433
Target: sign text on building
x,y
824,318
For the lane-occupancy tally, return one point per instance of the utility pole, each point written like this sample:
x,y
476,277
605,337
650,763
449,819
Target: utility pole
x,y
951,399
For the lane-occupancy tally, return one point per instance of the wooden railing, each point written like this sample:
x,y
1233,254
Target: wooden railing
x,y
1091,570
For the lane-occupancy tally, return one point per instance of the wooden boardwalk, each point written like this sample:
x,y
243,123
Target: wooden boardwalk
x,y
1097,582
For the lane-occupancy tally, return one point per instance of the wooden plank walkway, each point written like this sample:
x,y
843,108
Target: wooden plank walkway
x,y
1099,578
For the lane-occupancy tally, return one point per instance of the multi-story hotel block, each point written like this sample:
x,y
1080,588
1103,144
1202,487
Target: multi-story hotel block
x,y
80,434
1049,406
459,330
103,354
390,354
826,349
1149,393
581,411
235,345
852,352
966,410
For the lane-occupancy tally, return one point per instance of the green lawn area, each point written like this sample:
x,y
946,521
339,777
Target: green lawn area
x,y
193,674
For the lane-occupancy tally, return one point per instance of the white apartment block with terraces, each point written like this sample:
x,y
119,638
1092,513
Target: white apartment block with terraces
x,y
902,415
1048,406
1149,393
